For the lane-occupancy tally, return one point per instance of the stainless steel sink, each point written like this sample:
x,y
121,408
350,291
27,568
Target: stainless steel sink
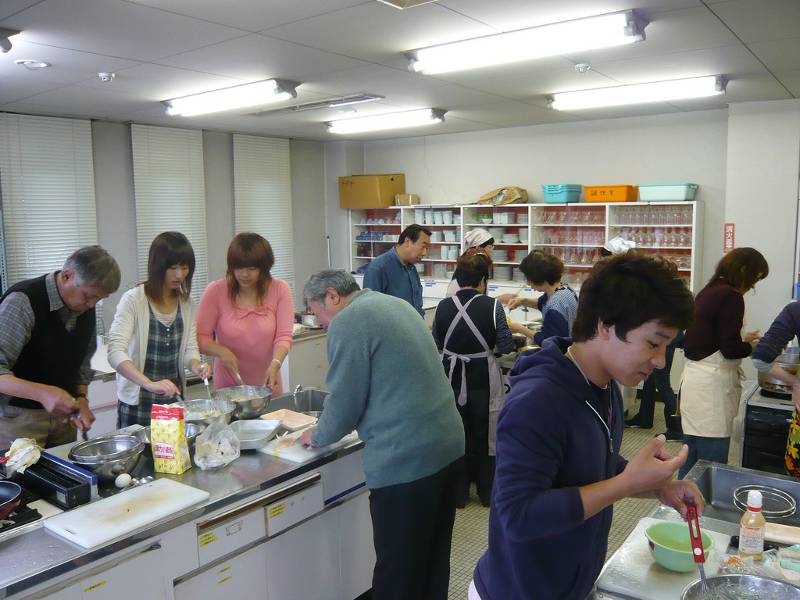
x,y
717,483
305,400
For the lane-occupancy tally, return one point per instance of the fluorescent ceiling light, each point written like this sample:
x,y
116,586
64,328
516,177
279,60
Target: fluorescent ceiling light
x,y
641,93
239,96
338,102
6,36
568,37
411,118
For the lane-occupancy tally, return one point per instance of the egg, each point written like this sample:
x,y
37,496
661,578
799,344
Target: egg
x,y
123,480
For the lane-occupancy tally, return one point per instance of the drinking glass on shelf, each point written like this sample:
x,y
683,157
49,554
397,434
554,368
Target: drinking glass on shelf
x,y
685,238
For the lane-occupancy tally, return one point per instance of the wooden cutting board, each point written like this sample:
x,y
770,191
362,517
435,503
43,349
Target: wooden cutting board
x,y
99,522
782,534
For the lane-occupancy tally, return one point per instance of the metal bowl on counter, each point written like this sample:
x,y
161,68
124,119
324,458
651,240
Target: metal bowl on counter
x,y
251,401
788,361
741,587
206,412
192,430
108,456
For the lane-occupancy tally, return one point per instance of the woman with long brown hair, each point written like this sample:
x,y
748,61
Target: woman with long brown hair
x,y
714,346
153,338
245,319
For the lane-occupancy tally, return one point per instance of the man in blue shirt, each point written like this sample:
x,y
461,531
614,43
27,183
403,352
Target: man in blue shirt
x,y
394,273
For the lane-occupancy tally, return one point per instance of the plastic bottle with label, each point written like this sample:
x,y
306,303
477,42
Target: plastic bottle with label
x,y
752,527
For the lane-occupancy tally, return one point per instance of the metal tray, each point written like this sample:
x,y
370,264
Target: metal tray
x,y
255,434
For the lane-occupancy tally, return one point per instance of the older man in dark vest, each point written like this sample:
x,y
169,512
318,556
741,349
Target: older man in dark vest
x,y
47,339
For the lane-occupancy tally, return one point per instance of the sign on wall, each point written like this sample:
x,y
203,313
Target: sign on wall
x,y
729,237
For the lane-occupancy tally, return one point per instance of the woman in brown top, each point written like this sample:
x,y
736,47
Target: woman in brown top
x,y
714,346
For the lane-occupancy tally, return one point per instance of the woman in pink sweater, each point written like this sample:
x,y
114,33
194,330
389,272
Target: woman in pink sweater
x,y
245,320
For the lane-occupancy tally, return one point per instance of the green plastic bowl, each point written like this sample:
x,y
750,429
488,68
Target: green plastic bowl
x,y
671,546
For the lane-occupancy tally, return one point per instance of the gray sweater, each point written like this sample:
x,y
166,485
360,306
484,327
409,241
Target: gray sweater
x,y
386,381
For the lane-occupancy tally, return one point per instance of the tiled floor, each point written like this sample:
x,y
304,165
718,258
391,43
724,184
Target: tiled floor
x,y
471,528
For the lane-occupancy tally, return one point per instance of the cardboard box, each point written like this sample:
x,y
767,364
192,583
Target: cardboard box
x,y
406,199
370,191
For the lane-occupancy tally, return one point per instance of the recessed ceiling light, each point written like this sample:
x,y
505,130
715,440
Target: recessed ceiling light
x,y
106,77
31,64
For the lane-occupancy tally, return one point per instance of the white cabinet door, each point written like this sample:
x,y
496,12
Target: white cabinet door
x,y
356,548
244,576
131,578
303,563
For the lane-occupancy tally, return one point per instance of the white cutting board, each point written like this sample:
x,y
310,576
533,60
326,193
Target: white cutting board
x,y
296,453
99,522
633,573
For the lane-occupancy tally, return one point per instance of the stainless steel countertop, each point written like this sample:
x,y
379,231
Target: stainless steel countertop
x,y
39,556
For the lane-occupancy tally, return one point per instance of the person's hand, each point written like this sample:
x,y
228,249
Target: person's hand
x,y
680,492
752,337
228,360
652,467
202,370
796,397
271,380
305,438
57,401
505,298
164,387
516,302
84,417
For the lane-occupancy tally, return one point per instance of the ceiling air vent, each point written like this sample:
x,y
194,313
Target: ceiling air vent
x,y
401,4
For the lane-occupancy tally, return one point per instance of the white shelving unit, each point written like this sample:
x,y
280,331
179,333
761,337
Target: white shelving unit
x,y
574,232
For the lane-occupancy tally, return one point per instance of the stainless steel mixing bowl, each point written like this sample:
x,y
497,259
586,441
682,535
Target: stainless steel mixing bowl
x,y
108,456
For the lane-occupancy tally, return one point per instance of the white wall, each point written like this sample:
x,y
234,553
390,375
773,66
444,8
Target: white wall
x,y
116,215
308,212
457,168
762,198
218,166
341,158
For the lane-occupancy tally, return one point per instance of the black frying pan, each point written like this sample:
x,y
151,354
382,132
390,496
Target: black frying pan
x,y
10,497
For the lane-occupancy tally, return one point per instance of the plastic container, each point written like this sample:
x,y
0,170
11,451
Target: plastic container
x,y
667,192
561,192
671,546
610,193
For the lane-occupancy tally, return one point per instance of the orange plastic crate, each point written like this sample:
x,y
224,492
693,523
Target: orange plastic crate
x,y
610,193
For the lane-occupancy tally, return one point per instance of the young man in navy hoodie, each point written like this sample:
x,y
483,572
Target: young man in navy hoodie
x,y
558,438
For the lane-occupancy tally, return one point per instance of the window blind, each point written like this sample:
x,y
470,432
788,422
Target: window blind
x,y
169,193
262,191
47,187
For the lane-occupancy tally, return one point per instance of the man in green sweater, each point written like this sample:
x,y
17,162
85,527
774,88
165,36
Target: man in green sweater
x,y
386,381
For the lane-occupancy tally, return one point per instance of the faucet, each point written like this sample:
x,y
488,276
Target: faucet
x,y
296,391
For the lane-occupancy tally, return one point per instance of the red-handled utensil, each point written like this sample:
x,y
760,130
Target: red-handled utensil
x,y
697,544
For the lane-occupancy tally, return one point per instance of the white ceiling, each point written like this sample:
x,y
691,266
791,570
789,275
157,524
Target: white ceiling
x,y
161,49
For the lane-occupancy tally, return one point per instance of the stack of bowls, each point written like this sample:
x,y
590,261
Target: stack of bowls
x,y
510,238
500,255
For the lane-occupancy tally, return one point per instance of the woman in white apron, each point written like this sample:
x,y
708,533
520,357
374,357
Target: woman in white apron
x,y
467,327
711,387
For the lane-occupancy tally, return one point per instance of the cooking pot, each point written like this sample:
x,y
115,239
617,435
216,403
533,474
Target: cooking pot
x,y
10,497
788,361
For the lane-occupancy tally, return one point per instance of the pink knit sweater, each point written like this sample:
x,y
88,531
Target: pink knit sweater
x,y
252,334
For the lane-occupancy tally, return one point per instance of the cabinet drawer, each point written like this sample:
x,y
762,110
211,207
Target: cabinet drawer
x,y
227,533
294,508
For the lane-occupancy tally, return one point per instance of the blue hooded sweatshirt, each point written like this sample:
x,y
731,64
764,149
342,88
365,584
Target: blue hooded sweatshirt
x,y
550,441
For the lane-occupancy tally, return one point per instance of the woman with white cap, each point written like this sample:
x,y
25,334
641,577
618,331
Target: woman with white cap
x,y
477,241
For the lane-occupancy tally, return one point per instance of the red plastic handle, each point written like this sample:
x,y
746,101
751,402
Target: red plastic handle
x,y
694,534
